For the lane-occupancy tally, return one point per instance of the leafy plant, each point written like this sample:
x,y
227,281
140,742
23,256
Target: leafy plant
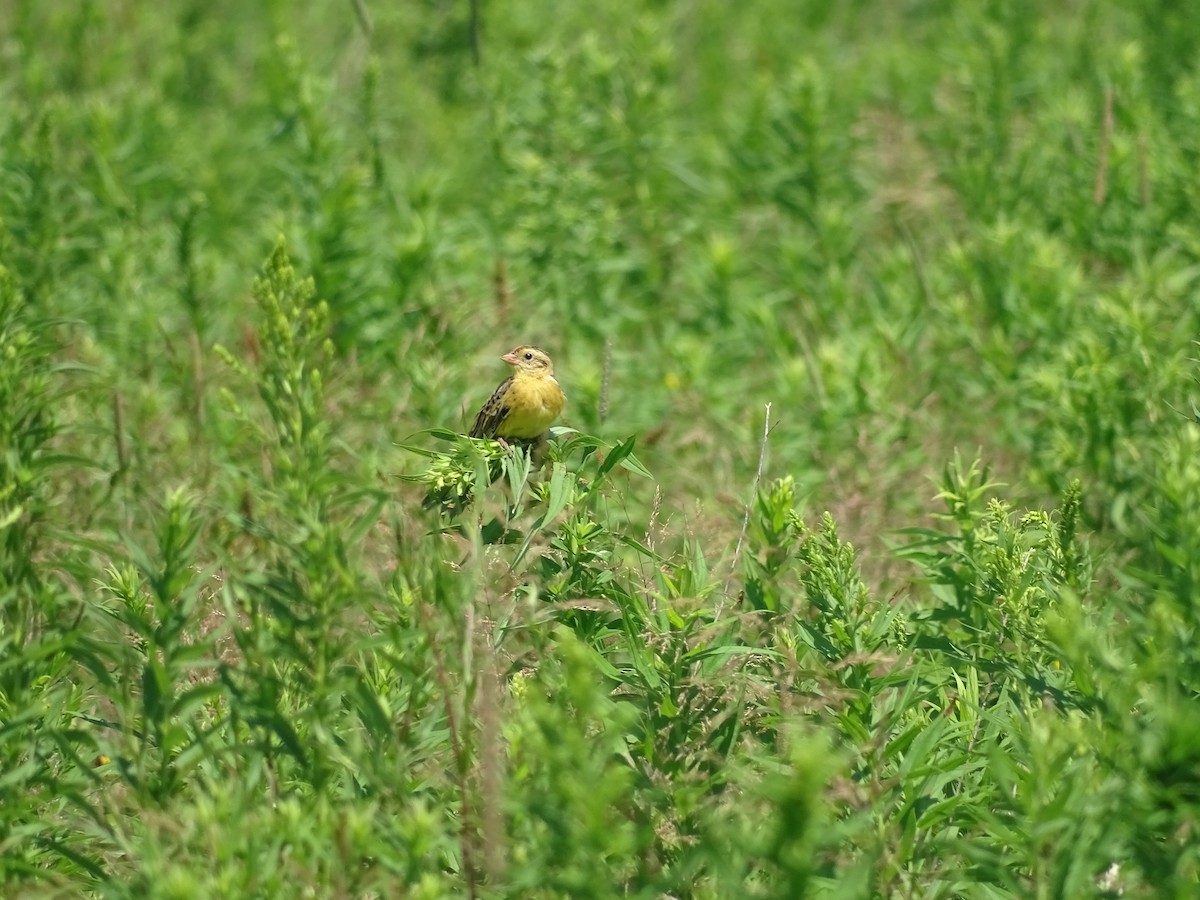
x,y
938,243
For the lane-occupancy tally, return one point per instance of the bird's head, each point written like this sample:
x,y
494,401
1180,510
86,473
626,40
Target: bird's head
x,y
531,360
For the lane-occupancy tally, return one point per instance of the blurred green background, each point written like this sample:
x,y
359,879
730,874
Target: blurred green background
x,y
237,657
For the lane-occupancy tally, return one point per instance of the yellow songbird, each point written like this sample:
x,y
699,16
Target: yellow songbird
x,y
526,403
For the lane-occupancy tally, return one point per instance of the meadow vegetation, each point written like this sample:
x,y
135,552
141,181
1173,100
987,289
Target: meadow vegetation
x,y
866,561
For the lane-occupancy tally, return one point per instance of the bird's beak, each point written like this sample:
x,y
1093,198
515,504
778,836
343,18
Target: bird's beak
x,y
510,358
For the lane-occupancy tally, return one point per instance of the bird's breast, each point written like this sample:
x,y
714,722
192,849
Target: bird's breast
x,y
533,404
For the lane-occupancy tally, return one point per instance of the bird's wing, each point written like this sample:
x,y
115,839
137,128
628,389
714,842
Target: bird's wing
x,y
493,412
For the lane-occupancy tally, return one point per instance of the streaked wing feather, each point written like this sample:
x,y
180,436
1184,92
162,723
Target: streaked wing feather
x,y
492,413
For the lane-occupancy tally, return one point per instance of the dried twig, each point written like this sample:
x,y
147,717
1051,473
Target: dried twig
x,y
501,292
605,380
197,380
364,17
1106,131
454,729
491,762
737,553
476,25
118,409
1143,169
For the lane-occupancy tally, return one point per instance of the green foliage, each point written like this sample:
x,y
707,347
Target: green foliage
x,y
269,623
43,649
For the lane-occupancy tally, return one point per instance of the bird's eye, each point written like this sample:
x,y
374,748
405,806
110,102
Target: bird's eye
x,y
529,356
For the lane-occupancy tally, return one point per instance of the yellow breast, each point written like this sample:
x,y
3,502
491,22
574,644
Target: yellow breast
x,y
533,402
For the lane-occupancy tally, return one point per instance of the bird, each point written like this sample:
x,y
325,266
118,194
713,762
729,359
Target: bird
x,y
526,403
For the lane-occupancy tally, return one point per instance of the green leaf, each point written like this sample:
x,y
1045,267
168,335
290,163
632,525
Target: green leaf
x,y
618,453
12,516
154,690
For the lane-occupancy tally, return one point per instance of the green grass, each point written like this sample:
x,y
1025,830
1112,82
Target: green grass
x,y
929,630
